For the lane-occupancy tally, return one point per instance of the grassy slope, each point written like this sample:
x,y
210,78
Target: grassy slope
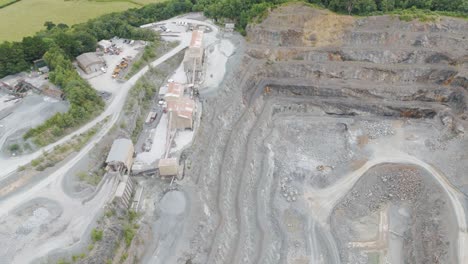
x,y
28,16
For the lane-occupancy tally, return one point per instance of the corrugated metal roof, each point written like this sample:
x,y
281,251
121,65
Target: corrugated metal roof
x,y
105,43
184,107
88,58
120,150
193,52
175,90
197,39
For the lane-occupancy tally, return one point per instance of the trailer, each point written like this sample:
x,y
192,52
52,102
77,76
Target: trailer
x,y
151,117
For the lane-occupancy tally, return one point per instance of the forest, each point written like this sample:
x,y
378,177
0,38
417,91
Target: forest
x,y
363,7
244,11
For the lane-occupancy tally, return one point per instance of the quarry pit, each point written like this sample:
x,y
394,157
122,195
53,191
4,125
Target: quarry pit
x,y
335,139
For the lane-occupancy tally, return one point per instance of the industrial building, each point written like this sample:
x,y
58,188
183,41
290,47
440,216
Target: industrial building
x,y
193,58
104,45
120,158
168,167
175,91
90,62
181,113
123,193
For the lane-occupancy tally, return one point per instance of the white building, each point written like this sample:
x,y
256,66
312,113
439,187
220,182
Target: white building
x,y
104,45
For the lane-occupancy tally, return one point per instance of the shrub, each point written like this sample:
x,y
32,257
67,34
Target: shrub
x,y
129,233
14,148
27,146
62,261
96,235
123,257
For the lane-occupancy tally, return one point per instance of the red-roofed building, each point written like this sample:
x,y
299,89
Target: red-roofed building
x,y
181,112
175,91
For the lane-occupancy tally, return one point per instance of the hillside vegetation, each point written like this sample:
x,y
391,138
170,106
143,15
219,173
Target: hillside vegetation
x,y
59,44
244,12
62,43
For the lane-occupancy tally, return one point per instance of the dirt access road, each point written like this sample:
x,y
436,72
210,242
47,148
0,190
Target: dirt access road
x,y
115,106
310,107
323,201
76,217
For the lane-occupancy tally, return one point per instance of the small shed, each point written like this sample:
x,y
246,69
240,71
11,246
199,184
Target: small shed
x,y
44,69
229,27
120,156
104,44
168,167
90,62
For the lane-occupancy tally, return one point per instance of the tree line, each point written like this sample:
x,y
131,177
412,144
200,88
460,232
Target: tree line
x,y
19,55
245,11
363,7
84,101
59,44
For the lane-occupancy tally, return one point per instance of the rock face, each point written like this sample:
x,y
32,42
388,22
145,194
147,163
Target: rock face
x,y
378,55
312,102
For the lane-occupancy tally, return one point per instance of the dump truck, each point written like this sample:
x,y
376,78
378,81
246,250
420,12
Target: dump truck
x,y
116,72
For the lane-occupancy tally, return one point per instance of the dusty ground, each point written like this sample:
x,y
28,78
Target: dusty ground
x,y
69,232
340,143
17,118
421,224
309,116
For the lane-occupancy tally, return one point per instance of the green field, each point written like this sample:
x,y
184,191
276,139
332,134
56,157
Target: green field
x,y
5,2
26,17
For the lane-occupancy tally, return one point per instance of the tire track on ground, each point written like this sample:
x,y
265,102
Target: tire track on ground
x,y
226,230
248,244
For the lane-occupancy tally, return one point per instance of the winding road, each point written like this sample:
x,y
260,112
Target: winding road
x,y
77,215
324,200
